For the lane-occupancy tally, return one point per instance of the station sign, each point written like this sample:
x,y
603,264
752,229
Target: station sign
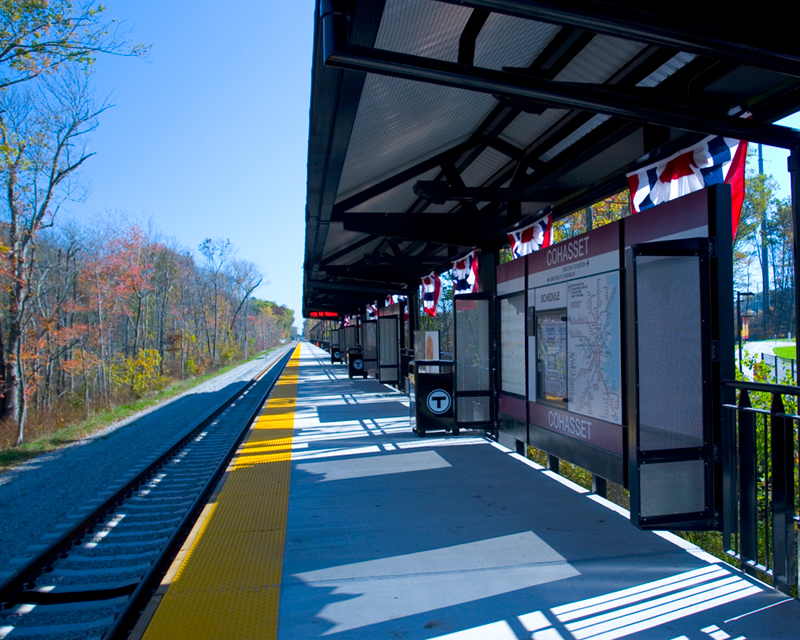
x,y
573,391
575,376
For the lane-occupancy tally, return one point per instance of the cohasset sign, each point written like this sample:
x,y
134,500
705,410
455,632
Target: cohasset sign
x,y
568,251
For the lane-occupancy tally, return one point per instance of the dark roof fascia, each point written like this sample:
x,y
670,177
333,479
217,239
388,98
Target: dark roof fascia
x,y
335,96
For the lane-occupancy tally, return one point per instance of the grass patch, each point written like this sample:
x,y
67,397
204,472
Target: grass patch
x,y
710,542
11,456
788,353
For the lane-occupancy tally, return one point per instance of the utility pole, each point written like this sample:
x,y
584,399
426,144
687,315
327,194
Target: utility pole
x,y
764,250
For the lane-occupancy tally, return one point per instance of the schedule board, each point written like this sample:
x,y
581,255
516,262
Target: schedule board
x,y
575,375
576,396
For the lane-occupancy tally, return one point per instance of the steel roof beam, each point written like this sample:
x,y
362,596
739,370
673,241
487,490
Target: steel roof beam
x,y
340,54
347,250
382,273
561,50
669,29
439,193
371,289
461,229
404,176
469,36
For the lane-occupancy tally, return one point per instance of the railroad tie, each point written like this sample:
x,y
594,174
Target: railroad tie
x,y
228,586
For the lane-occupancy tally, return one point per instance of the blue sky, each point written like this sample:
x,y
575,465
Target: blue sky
x,y
208,136
775,159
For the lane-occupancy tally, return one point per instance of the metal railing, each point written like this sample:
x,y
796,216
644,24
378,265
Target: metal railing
x,y
759,483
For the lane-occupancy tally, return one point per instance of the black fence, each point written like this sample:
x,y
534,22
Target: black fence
x,y
760,467
783,369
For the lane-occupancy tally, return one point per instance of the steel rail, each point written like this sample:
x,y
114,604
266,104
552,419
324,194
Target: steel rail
x,y
14,586
148,584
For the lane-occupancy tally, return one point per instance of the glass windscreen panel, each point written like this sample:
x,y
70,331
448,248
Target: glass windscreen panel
x,y
370,340
670,353
389,345
512,344
351,337
472,345
426,347
672,488
473,409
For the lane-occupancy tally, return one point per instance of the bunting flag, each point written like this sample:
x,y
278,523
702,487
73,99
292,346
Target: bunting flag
x,y
714,160
465,274
532,238
431,293
394,299
372,311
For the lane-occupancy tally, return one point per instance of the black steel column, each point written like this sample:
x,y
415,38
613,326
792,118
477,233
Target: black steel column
x,y
723,366
782,458
748,489
794,175
488,260
413,317
599,486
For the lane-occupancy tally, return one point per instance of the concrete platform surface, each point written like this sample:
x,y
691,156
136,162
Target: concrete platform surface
x,y
394,536
391,536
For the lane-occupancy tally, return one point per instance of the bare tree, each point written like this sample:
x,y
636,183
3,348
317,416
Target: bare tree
x,y
217,253
246,277
42,130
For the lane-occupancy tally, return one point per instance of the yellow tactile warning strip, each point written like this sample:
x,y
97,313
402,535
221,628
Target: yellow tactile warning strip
x,y
228,586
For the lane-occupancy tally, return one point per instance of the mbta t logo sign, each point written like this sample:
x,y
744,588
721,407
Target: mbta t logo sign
x,y
439,401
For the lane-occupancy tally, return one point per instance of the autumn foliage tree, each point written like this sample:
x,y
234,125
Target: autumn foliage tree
x,y
89,316
39,37
113,312
41,134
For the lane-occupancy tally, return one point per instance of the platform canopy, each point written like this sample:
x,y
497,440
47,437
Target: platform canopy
x,y
438,126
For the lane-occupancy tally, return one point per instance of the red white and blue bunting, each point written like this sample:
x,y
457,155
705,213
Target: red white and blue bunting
x,y
531,238
394,299
465,274
714,160
431,293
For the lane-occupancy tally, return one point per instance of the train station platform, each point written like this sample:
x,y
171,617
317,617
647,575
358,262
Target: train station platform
x,y
336,521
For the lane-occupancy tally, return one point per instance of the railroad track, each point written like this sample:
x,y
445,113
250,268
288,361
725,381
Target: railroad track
x,y
93,581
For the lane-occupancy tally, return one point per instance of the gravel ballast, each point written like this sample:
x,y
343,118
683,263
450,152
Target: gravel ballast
x,y
39,498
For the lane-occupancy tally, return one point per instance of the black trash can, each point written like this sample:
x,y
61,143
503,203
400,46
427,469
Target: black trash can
x,y
355,363
431,396
336,354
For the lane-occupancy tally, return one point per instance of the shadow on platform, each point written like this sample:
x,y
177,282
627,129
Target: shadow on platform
x,y
392,536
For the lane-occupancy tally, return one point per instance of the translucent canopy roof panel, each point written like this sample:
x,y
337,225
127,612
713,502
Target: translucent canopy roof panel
x,y
431,118
400,122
